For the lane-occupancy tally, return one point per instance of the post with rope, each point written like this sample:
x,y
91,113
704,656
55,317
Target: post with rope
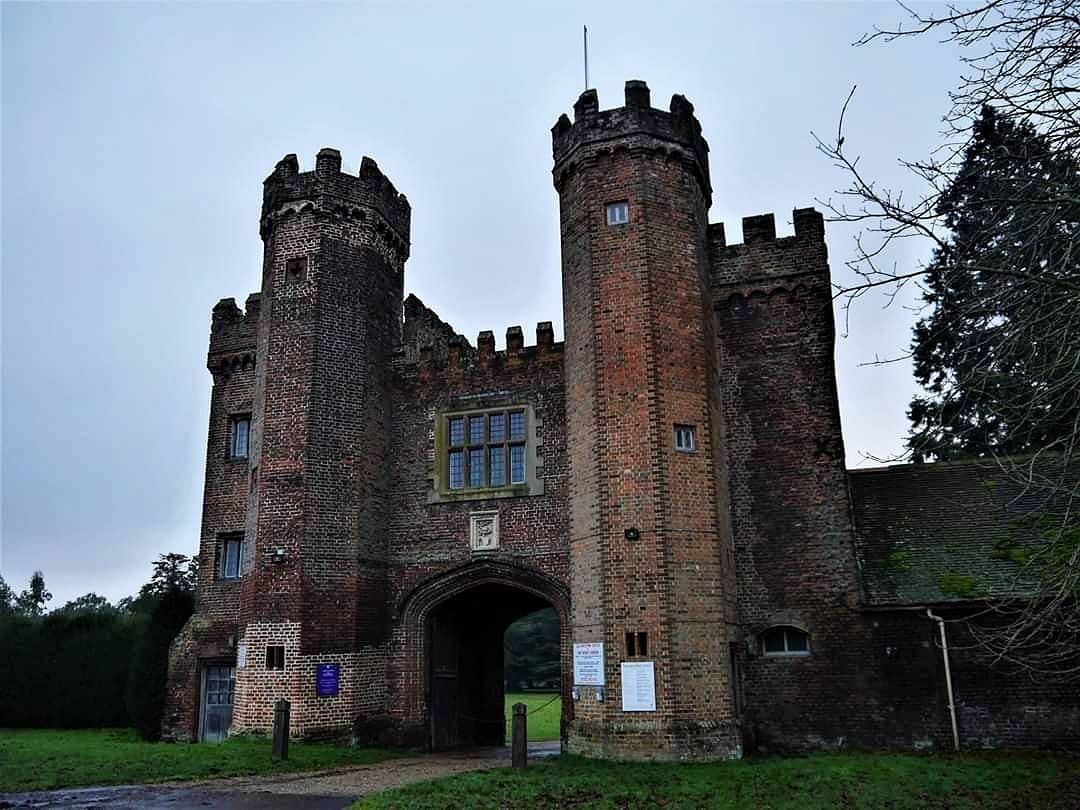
x,y
519,737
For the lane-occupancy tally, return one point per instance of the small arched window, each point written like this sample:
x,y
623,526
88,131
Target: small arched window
x,y
785,641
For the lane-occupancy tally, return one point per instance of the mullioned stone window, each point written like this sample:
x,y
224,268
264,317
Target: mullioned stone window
x,y
486,453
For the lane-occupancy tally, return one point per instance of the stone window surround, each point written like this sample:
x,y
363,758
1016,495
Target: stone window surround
x,y
534,483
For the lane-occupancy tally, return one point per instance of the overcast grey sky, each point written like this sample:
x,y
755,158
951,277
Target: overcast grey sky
x,y
136,138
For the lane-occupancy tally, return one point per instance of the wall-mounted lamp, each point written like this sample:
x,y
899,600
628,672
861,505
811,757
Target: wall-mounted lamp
x,y
279,555
631,534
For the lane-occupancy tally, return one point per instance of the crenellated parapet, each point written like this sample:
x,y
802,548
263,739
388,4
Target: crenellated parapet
x,y
456,357
330,193
233,335
636,126
763,263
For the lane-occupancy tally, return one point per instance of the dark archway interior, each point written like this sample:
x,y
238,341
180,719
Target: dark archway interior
x,y
465,636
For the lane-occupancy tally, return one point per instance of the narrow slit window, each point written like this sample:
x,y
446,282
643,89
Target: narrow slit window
x,y
239,436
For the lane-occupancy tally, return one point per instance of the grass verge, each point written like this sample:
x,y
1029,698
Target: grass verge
x,y
848,780
544,710
44,759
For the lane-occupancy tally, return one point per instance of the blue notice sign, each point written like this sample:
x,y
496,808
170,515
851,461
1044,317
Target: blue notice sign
x,y
327,677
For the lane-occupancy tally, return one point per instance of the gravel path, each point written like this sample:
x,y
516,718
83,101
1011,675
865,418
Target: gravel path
x,y
325,789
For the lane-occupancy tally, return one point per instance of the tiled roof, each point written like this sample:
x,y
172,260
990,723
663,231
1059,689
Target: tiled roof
x,y
951,532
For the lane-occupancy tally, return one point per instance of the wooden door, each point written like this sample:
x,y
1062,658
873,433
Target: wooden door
x,y
444,682
218,683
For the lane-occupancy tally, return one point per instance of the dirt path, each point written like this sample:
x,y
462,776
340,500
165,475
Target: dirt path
x,y
321,790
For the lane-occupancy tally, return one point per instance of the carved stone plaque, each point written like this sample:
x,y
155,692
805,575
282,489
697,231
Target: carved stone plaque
x,y
484,530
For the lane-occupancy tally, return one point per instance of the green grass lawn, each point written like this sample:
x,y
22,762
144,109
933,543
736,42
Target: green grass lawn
x,y
849,780
544,713
42,759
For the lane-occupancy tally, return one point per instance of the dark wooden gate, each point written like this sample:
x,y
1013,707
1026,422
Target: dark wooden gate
x,y
444,681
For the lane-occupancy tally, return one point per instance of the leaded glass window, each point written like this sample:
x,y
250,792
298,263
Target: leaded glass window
x,y
487,449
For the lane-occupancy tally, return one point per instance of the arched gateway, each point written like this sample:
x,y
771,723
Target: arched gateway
x,y
454,624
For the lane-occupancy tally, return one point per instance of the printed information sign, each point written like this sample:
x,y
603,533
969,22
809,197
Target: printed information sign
x,y
638,686
327,677
589,664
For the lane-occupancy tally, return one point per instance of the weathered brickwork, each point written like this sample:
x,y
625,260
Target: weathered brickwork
x,y
637,363
370,545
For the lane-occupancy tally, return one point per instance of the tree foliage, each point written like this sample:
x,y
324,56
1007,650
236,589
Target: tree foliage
x,y
150,662
172,572
7,599
997,350
532,650
31,602
89,603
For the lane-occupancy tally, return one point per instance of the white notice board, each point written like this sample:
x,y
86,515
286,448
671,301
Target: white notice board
x,y
638,686
589,664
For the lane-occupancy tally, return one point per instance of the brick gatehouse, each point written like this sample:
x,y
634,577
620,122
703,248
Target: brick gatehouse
x,y
383,497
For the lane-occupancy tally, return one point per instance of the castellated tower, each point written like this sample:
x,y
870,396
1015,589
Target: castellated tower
x,y
335,246
650,544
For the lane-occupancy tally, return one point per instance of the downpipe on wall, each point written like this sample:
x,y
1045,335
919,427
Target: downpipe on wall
x,y
948,676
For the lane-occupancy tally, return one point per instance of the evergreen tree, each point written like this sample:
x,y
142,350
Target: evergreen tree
x,y
172,572
532,650
31,602
89,603
149,669
7,599
999,351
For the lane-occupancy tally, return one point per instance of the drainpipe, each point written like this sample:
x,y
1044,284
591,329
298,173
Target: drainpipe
x,y
948,677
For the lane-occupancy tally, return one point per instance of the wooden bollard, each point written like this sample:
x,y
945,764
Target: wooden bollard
x,y
519,738
280,749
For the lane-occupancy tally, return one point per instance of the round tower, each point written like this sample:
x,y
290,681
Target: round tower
x,y
649,532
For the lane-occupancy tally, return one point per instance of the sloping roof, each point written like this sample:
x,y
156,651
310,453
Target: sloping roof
x,y
951,532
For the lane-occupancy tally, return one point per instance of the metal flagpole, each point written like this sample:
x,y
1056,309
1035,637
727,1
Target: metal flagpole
x,y
586,40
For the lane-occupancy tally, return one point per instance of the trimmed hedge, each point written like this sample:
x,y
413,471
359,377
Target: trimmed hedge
x,y
66,671
90,670
150,663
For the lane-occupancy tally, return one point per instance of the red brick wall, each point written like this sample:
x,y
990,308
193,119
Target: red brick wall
x,y
790,512
429,553
638,352
211,633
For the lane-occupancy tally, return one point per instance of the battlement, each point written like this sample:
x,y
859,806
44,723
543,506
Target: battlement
x,y
328,189
458,356
762,259
233,332
637,123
